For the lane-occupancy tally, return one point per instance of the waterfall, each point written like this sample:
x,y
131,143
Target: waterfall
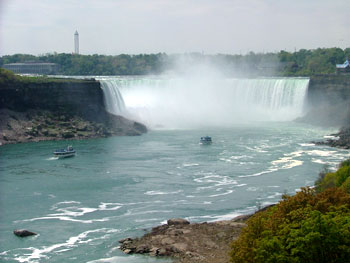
x,y
198,102
114,102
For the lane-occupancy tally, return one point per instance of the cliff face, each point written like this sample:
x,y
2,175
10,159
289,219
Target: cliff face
x,y
36,110
82,98
329,100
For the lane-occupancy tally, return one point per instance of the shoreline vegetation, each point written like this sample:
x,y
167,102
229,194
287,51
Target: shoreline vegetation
x,y
311,226
301,63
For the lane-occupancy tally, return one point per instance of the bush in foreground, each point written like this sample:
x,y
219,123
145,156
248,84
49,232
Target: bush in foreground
x,y
340,178
307,227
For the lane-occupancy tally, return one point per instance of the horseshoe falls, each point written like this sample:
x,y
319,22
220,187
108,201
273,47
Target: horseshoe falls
x,y
185,103
117,187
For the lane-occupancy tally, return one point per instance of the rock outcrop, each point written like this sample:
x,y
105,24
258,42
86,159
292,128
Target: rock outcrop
x,y
339,140
23,233
328,100
42,125
195,242
36,110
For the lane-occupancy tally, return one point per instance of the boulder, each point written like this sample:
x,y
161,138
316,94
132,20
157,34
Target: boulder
x,y
142,249
178,221
167,241
179,247
23,233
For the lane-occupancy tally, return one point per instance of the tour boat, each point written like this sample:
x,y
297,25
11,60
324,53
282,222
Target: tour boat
x,y
63,153
206,140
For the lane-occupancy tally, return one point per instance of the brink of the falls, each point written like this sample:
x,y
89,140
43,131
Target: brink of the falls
x,y
181,103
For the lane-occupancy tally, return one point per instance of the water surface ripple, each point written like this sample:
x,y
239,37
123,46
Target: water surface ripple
x,y
120,186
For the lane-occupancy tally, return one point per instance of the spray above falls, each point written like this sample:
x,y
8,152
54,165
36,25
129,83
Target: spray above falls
x,y
199,102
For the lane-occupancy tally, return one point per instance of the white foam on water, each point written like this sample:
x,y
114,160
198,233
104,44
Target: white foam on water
x,y
314,160
190,164
226,216
267,203
252,189
70,211
39,254
215,218
66,218
147,220
52,158
131,213
292,163
286,162
274,195
332,137
109,206
225,193
240,185
74,211
322,153
306,144
270,170
225,160
238,157
162,193
218,180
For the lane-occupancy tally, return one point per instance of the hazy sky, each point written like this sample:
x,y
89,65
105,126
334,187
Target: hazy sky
x,y
113,27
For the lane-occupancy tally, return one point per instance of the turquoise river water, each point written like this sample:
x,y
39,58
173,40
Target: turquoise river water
x,y
121,186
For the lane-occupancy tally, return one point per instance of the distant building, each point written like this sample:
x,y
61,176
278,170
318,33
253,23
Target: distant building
x,y
33,68
341,68
76,42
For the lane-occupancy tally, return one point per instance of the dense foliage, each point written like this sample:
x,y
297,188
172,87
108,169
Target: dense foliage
x,y
300,63
7,77
72,64
306,227
340,178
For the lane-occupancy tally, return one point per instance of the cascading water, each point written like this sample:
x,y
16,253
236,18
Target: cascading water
x,y
202,102
114,102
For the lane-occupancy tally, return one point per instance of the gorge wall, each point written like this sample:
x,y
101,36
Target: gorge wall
x,y
328,100
57,109
75,97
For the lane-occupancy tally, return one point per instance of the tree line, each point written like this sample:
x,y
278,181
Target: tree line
x,y
299,63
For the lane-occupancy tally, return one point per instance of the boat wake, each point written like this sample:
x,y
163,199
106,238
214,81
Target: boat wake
x,y
52,158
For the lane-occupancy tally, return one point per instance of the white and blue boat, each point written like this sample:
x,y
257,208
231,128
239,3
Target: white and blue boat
x,y
64,153
206,140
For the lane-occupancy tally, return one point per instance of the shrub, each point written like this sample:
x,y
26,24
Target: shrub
x,y
345,163
326,179
342,174
329,181
346,185
307,227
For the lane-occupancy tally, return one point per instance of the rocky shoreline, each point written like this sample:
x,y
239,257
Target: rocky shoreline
x,y
339,140
43,125
187,242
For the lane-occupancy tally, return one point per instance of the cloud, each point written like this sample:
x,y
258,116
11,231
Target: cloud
x,y
151,26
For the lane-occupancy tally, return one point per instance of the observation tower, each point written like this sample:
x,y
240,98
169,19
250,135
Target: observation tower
x,y
76,42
